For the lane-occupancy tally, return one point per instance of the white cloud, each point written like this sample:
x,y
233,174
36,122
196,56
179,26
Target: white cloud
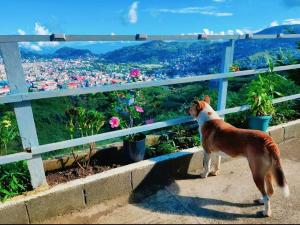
x,y
285,22
21,32
238,31
38,30
216,13
207,31
208,10
186,10
35,47
230,32
241,31
132,14
274,23
291,21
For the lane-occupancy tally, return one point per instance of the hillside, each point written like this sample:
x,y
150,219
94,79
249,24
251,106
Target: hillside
x,y
200,57
67,52
285,29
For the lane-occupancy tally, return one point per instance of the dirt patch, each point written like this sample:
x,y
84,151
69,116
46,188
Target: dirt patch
x,y
73,173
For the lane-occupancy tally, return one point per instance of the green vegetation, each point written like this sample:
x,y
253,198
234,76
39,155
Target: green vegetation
x,y
8,130
159,103
174,139
80,123
14,180
260,93
162,148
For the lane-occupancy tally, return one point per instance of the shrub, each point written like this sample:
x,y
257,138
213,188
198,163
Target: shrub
x,y
14,180
84,122
162,148
8,129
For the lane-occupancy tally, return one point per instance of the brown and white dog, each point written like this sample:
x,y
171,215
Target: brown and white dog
x,y
258,147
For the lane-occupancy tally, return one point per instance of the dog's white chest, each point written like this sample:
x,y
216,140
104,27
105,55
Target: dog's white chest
x,y
205,115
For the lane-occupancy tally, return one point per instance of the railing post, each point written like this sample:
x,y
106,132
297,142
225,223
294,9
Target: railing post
x,y
227,61
17,83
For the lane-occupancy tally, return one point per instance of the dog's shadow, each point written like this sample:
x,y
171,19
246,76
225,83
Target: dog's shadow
x,y
201,207
167,200
197,206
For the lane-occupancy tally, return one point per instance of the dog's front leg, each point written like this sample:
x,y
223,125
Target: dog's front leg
x,y
217,170
206,164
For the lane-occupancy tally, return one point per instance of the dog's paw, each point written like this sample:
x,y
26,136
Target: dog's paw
x,y
204,175
215,173
259,201
264,213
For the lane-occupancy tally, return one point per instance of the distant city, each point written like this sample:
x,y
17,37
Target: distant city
x,y
55,74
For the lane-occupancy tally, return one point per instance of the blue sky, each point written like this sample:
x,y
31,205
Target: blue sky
x,y
144,16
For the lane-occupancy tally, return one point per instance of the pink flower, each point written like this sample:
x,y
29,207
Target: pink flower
x,y
135,73
114,122
139,109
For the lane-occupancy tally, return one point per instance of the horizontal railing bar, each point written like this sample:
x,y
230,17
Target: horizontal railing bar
x,y
24,38
286,98
15,157
246,107
120,133
234,110
129,86
46,38
108,135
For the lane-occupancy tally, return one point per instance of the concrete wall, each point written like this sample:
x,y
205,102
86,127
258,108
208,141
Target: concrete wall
x,y
285,131
122,181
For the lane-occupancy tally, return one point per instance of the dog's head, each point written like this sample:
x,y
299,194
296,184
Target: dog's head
x,y
198,106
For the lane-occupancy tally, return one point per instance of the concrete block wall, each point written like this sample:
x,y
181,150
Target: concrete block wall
x,y
285,131
95,189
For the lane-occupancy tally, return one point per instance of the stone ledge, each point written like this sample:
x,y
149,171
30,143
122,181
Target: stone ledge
x,y
277,133
55,203
40,205
285,131
105,188
292,130
13,213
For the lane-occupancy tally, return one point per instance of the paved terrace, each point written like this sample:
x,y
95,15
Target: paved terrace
x,y
226,198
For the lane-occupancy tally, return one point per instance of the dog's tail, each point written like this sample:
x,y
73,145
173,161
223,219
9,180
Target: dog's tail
x,y
277,168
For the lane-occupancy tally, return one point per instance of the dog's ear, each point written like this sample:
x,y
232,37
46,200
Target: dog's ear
x,y
207,99
199,105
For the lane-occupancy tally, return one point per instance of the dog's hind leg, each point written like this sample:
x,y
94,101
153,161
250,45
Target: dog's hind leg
x,y
269,184
260,183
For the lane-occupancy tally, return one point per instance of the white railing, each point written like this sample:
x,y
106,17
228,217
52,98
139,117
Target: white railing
x,y
21,98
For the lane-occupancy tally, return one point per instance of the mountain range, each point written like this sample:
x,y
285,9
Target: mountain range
x,y
188,54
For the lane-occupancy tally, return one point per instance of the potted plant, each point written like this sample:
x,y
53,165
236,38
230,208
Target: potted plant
x,y
260,94
127,112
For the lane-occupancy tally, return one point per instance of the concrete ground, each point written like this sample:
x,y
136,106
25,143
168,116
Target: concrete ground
x,y
226,198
